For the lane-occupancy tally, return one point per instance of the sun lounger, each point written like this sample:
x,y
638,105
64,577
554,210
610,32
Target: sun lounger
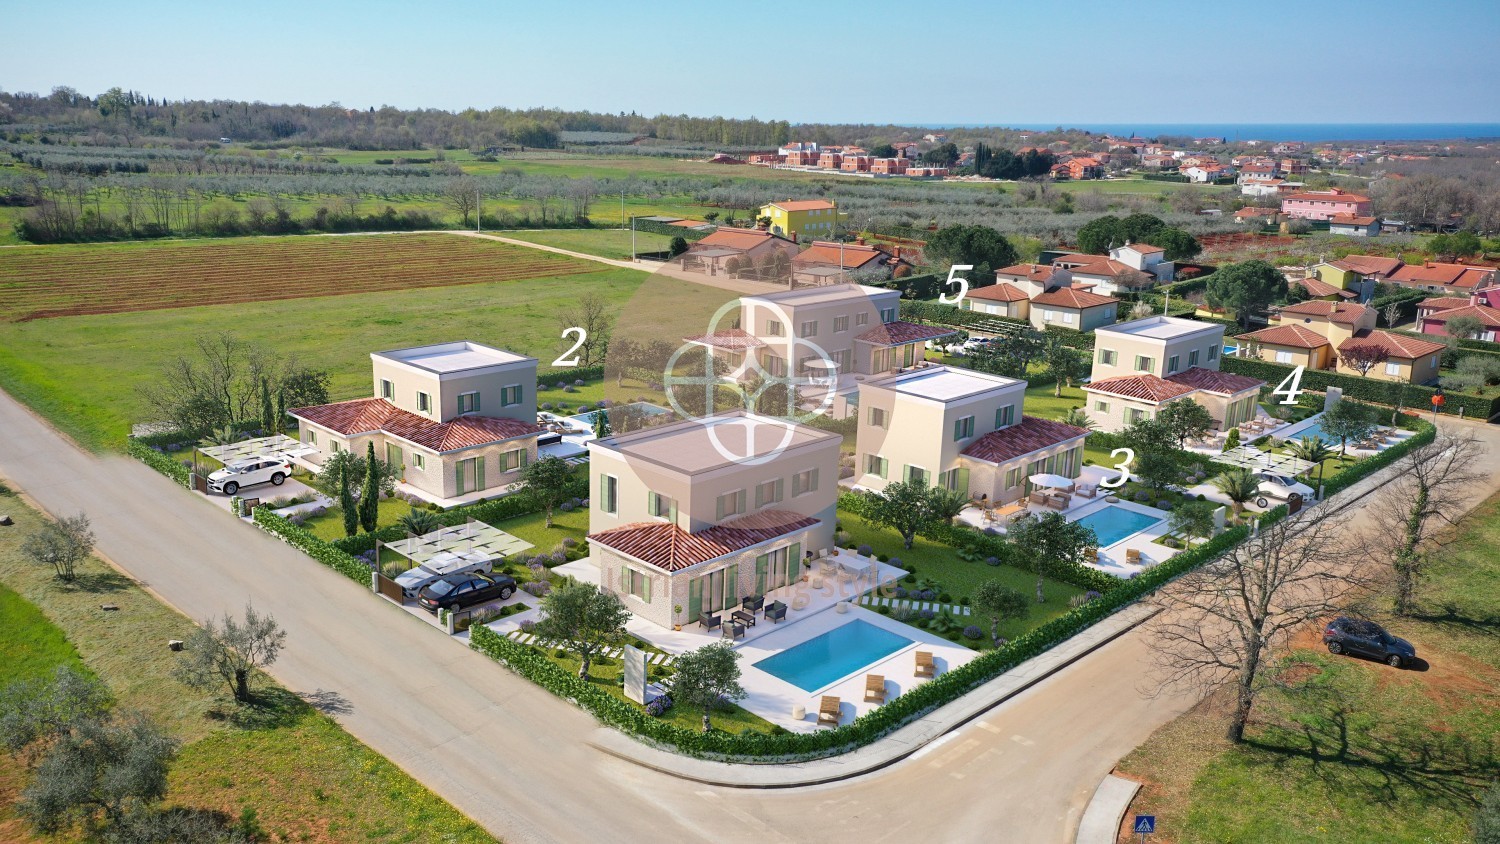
x,y
1091,555
874,688
1057,502
1132,555
925,666
1039,498
829,711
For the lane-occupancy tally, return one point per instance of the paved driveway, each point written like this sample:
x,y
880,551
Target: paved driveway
x,y
516,759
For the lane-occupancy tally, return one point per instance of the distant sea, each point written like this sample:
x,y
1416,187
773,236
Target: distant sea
x,y
1281,131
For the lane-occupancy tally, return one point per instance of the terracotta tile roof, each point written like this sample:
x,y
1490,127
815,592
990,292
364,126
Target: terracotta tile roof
x,y
1368,264
366,416
1293,336
855,256
1334,195
1248,212
1318,288
1144,386
803,204
1487,315
737,238
1103,267
671,548
1029,272
1143,248
1396,345
1443,303
1430,273
898,332
733,338
1214,381
1029,435
1072,297
1350,220
1344,313
1001,292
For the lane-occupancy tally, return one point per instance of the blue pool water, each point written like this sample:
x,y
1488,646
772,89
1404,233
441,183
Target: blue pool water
x,y
1113,524
1313,430
836,654
1229,350
646,407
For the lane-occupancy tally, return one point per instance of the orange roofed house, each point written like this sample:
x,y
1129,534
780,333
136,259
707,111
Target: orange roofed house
x,y
1316,333
827,262
1325,205
712,254
1044,295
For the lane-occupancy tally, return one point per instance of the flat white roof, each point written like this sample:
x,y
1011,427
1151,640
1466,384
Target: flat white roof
x,y
944,383
1161,327
831,293
698,445
445,358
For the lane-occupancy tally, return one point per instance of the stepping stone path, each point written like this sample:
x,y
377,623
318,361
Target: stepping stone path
x,y
615,653
953,609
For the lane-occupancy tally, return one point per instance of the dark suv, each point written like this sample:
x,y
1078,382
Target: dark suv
x,y
1366,638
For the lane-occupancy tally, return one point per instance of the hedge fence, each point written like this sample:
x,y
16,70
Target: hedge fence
x,y
654,227
1389,393
305,541
160,462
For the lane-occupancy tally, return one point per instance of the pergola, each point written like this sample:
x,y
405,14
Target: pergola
x,y
1250,457
473,541
279,445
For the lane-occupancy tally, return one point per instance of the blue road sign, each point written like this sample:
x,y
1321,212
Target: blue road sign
x,y
1145,823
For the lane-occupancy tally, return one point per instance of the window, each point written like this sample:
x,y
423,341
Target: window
x,y
1005,416
1107,357
841,360
954,479
963,428
1143,363
840,323
1193,358
803,482
880,360
510,461
337,446
418,460
916,475
861,319
310,437
1172,363
609,494
1283,357
718,590
509,396
1434,363
1393,368
887,314
1135,414
468,402
424,403
778,568
470,475
1101,406
1012,476
733,503
636,583
877,466
387,389
809,328
1213,352
393,455
768,492
1067,318
773,328
775,365
877,417
661,506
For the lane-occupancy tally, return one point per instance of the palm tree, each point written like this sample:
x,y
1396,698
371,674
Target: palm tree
x,y
1239,485
1313,450
419,522
946,504
1078,419
220,436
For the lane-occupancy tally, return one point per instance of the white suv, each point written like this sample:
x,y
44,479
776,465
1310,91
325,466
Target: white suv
x,y
249,472
1280,487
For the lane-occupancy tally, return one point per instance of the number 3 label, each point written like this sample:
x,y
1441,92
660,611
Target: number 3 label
x,y
564,360
1123,467
963,284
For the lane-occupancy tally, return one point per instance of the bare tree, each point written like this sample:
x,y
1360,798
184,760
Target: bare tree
x,y
594,316
462,195
1432,488
1392,313
1222,622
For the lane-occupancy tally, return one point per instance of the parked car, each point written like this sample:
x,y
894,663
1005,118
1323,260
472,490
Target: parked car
x,y
441,565
457,591
1274,485
249,472
1366,638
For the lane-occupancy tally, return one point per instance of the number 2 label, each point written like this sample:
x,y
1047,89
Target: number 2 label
x,y
583,337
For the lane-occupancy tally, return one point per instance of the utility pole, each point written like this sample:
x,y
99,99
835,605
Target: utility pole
x,y
632,239
478,208
622,209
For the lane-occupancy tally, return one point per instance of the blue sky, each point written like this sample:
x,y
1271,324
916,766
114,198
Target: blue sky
x,y
1015,63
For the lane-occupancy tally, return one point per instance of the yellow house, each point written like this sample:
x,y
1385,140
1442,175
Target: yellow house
x,y
815,218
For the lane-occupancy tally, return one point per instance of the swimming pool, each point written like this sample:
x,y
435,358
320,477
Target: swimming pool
x,y
1113,524
836,654
645,407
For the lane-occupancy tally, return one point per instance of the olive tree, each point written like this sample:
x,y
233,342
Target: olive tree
x,y
706,677
227,651
62,544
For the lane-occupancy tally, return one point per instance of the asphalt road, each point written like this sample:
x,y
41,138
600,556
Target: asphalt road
x,y
516,759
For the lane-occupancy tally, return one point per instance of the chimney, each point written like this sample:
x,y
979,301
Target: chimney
x,y
859,241
898,253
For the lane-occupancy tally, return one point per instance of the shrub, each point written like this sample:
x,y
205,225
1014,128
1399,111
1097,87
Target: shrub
x,y
927,615
569,542
528,626
883,609
972,632
901,592
1163,504
566,507
864,550
902,613
546,405
992,561
537,588
659,706
945,598
570,389
1142,496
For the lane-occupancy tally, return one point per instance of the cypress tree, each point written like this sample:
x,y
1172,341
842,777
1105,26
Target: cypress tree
x,y
346,499
268,416
369,496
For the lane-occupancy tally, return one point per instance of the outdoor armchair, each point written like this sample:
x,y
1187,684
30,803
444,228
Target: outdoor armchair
x,y
708,621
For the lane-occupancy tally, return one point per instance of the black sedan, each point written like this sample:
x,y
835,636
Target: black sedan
x,y
1366,638
457,591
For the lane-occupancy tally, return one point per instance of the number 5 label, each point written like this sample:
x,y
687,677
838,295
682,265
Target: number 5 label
x,y
954,279
564,360
1123,466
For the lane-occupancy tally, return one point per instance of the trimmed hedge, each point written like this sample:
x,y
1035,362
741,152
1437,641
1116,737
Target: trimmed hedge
x,y
652,226
303,540
570,374
160,462
1388,393
951,315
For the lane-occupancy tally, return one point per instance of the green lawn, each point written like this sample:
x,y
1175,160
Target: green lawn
x,y
86,373
1041,402
330,525
606,243
959,578
1347,749
306,778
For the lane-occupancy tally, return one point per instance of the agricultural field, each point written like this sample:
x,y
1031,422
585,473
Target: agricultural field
x,y
606,243
41,282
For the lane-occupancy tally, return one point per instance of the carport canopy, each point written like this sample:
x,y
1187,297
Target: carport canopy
x,y
470,540
1250,457
279,445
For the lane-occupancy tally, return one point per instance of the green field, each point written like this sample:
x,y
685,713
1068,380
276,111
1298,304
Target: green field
x,y
606,243
305,778
1346,749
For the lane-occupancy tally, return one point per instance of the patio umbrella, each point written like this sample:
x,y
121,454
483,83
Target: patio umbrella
x,y
1050,481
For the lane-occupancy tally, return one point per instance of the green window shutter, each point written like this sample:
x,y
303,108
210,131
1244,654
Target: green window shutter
x,y
672,510
812,481
793,562
646,587
958,429
719,508
695,598
474,402
732,585
761,564
963,480
780,488
651,503
479,473
739,501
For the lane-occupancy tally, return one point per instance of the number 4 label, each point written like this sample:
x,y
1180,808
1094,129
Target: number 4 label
x,y
1290,386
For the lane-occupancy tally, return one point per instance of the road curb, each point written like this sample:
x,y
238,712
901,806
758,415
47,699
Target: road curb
x,y
900,744
1101,820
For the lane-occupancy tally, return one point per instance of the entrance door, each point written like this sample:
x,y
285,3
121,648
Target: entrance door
x,y
470,475
393,457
